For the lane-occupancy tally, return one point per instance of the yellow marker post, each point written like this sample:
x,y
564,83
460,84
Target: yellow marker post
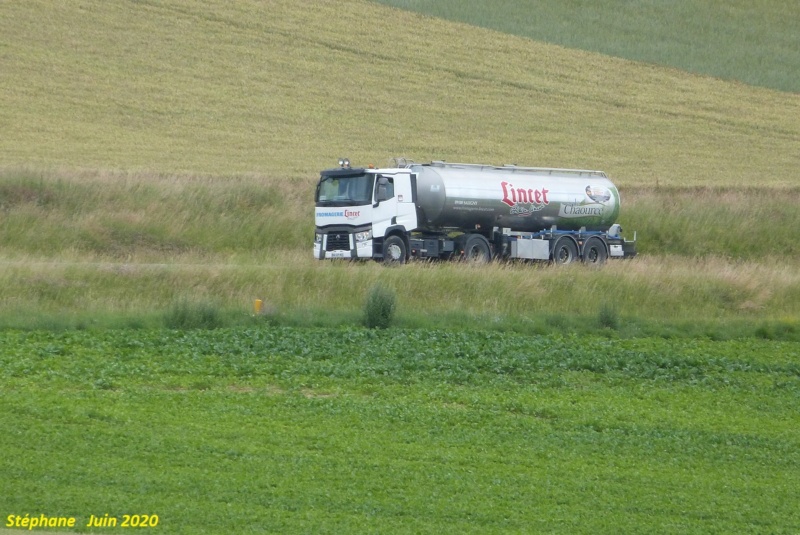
x,y
258,306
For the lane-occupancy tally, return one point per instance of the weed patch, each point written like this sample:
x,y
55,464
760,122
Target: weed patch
x,y
187,314
379,307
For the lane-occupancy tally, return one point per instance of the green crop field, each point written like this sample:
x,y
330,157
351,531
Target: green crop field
x,y
753,42
157,166
343,431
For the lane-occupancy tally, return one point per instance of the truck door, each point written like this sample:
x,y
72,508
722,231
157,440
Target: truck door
x,y
404,188
384,207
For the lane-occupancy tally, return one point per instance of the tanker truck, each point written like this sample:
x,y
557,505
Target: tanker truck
x,y
470,212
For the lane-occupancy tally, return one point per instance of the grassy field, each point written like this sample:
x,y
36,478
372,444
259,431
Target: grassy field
x,y
122,215
753,42
157,164
282,91
123,249
287,430
666,296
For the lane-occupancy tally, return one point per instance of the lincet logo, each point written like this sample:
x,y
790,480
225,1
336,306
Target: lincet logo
x,y
349,214
513,196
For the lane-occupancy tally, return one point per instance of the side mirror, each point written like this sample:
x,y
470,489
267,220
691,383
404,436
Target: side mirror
x,y
383,190
382,194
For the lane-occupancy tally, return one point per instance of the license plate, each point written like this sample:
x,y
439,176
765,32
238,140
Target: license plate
x,y
337,254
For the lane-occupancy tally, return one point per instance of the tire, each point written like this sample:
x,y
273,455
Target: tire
x,y
565,251
594,251
394,251
477,250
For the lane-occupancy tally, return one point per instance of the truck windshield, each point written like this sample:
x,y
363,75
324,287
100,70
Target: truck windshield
x,y
345,191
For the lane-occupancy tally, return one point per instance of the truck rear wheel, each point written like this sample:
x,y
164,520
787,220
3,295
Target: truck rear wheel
x,y
394,250
477,250
594,251
565,251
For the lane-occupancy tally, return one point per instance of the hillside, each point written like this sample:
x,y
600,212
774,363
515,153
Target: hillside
x,y
284,88
753,42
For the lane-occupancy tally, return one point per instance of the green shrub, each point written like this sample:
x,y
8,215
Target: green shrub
x,y
607,316
185,314
379,307
776,331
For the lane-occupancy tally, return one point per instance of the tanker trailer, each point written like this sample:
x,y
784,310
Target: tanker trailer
x,y
468,211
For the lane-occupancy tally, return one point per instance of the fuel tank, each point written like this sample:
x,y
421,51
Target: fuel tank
x,y
525,199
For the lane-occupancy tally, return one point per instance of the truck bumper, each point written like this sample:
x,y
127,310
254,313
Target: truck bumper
x,y
361,250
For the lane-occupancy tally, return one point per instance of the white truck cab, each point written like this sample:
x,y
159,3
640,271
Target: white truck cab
x,y
358,209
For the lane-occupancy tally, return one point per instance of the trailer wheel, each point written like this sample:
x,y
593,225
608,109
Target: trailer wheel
x,y
477,250
394,250
594,251
565,251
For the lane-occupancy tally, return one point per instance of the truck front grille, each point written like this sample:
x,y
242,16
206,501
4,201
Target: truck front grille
x,y
338,241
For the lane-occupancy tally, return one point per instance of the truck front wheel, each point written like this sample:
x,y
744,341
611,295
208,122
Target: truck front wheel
x,y
394,250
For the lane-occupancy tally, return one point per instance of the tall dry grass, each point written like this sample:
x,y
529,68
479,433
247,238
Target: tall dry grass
x,y
151,217
133,243
648,290
752,222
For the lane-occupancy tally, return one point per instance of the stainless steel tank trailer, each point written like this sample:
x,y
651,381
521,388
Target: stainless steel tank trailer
x,y
470,212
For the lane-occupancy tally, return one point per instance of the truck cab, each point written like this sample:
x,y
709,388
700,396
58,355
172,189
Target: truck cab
x,y
359,210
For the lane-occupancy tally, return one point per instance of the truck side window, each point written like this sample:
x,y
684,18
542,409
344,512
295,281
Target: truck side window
x,y
385,189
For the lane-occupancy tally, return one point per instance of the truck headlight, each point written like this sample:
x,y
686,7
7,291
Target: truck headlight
x,y
363,236
317,237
